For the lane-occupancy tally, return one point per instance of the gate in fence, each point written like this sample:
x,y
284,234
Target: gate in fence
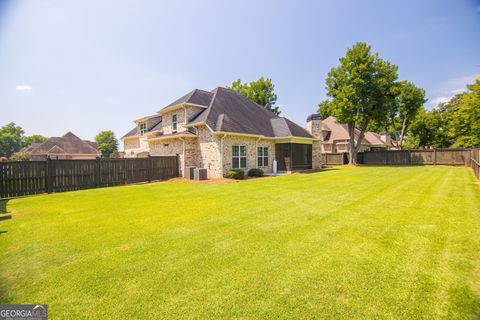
x,y
34,177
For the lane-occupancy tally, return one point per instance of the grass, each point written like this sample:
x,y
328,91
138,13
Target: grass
x,y
367,242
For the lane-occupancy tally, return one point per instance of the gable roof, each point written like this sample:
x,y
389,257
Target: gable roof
x,y
339,131
153,123
196,96
68,144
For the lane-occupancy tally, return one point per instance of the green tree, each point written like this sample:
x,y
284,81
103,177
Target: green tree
x,y
408,101
11,137
261,91
361,91
106,143
462,116
34,138
427,130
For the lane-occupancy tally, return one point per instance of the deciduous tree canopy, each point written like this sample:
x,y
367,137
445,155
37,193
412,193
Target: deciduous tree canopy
x,y
106,143
262,91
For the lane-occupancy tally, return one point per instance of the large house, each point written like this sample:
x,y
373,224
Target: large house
x,y
336,138
222,130
67,147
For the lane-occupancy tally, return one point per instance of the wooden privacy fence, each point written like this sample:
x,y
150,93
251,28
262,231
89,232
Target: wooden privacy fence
x,y
475,162
452,157
34,177
449,157
334,158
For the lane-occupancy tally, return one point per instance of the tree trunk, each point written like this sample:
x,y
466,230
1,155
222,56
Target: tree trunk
x,y
402,133
352,155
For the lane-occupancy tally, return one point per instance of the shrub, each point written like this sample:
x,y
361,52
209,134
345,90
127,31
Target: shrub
x,y
236,174
255,172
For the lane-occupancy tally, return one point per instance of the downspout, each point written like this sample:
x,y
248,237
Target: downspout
x,y
183,154
256,152
221,152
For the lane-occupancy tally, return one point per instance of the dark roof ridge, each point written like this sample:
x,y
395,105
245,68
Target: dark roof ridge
x,y
214,91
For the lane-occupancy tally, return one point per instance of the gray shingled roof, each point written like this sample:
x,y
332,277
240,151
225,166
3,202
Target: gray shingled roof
x,y
153,123
68,144
229,111
200,97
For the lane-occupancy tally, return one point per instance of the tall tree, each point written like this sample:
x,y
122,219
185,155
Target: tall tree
x,y
462,115
427,130
262,91
361,92
11,137
106,143
34,138
408,101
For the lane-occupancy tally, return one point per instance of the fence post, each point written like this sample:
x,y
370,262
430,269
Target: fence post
x,y
48,175
434,157
97,172
125,170
178,164
149,169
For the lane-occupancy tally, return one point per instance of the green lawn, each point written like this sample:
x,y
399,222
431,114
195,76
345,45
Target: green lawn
x,y
384,242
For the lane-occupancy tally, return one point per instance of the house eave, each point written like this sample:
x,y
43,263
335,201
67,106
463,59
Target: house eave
x,y
180,105
277,139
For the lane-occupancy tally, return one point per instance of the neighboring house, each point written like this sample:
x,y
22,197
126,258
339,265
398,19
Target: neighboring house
x,y
222,130
67,147
335,137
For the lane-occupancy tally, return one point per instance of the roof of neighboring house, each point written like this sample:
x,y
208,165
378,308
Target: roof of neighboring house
x,y
154,123
340,132
68,144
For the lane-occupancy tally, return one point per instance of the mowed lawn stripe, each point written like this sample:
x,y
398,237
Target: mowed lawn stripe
x,y
388,242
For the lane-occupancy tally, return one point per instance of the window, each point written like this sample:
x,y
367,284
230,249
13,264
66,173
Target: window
x,y
174,122
262,160
239,157
143,128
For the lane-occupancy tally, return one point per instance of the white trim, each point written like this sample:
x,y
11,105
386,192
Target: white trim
x,y
130,137
240,156
264,137
167,137
178,106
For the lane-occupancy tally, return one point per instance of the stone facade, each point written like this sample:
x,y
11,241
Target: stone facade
x,y
317,155
251,144
208,152
136,147
181,112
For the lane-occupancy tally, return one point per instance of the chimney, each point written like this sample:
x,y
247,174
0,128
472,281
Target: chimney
x,y
314,125
385,137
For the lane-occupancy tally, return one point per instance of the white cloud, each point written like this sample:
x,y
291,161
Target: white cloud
x,y
445,90
23,87
436,101
459,90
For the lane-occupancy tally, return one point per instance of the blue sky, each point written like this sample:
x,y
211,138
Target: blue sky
x,y
87,66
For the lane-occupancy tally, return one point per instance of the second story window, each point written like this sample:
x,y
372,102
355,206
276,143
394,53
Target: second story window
x,y
143,128
174,122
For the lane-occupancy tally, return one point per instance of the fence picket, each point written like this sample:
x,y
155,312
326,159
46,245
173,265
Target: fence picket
x,y
32,177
